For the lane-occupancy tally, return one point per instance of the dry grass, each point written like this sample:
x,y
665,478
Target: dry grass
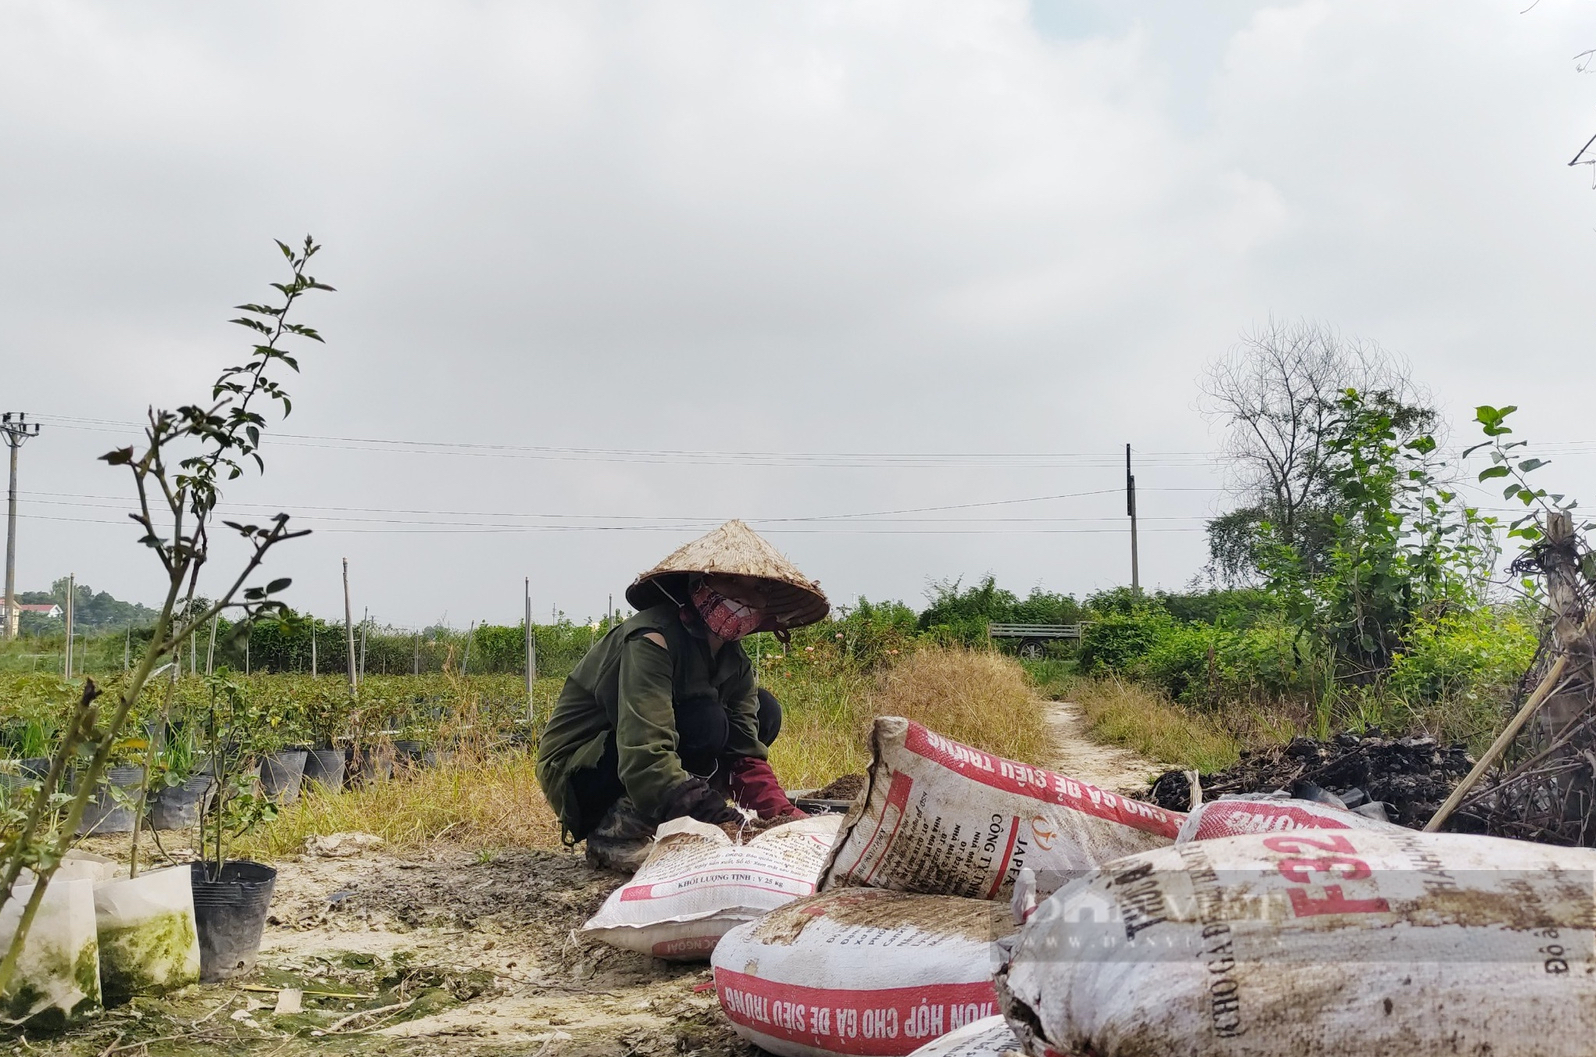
x,y
1144,720
977,697
476,802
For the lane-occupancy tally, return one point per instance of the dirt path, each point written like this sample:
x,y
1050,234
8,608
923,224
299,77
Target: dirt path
x,y
1106,766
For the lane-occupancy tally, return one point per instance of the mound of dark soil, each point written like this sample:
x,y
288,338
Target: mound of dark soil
x,y
1412,776
846,787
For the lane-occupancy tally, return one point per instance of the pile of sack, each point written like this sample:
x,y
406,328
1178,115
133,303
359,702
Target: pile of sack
x,y
969,905
900,947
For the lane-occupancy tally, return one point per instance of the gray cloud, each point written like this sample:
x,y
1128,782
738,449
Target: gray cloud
x,y
888,227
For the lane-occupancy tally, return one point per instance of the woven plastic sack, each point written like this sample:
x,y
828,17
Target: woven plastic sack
x,y
1315,942
860,971
698,883
1239,816
943,818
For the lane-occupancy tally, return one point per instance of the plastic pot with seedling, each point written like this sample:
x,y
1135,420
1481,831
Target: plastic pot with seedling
x,y
231,896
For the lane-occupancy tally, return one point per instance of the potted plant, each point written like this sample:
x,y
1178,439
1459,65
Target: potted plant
x,y
231,896
180,780
118,797
279,739
326,716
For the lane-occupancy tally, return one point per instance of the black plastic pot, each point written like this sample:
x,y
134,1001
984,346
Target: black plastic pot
x,y
20,772
178,806
325,768
281,774
230,914
413,756
369,764
103,814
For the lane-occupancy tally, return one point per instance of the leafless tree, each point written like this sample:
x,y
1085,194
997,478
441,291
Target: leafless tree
x,y
1275,391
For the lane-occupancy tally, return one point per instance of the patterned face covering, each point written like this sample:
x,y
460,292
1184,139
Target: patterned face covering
x,y
727,618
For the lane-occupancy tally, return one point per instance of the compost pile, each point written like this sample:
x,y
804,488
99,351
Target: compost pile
x,y
1411,776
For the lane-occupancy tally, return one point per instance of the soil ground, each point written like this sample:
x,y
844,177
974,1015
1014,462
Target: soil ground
x,y
457,953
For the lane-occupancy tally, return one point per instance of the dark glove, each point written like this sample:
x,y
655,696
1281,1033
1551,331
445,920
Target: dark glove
x,y
754,786
695,799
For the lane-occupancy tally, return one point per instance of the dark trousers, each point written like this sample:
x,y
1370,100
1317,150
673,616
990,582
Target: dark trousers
x,y
701,730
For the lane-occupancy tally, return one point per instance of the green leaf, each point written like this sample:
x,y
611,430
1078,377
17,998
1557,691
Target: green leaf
x,y
1494,471
278,585
1532,464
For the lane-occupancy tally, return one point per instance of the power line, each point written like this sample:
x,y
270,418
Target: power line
x,y
660,456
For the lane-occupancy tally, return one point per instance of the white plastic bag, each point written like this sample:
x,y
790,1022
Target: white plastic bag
x,y
1315,942
987,1037
860,971
148,940
1265,813
940,817
57,979
698,883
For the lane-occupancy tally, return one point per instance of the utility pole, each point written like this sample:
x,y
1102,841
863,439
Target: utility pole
x,y
349,633
365,619
18,430
1130,508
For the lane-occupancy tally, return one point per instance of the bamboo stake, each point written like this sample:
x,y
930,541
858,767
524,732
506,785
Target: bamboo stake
x,y
1549,682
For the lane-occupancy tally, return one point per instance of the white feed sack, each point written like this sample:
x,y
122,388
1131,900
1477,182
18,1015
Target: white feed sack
x,y
1353,943
1239,816
941,817
698,883
148,940
57,979
987,1037
860,971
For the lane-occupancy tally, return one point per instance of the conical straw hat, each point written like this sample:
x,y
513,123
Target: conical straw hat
x,y
734,549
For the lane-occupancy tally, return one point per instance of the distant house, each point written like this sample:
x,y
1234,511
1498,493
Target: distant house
x,y
48,610
44,609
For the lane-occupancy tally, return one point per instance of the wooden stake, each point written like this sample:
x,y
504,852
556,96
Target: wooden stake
x,y
71,592
531,674
349,633
210,651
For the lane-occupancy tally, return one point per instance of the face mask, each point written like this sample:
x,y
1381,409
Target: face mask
x,y
725,617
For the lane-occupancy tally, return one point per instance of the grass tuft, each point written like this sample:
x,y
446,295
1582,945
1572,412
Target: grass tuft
x,y
1128,714
975,696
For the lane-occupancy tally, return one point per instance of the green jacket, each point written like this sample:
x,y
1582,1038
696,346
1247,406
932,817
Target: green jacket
x,y
627,684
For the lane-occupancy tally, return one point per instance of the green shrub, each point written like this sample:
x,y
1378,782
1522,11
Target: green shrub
x,y
1201,665
1116,642
1453,676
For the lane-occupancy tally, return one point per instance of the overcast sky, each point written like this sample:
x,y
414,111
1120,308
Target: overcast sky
x,y
908,255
